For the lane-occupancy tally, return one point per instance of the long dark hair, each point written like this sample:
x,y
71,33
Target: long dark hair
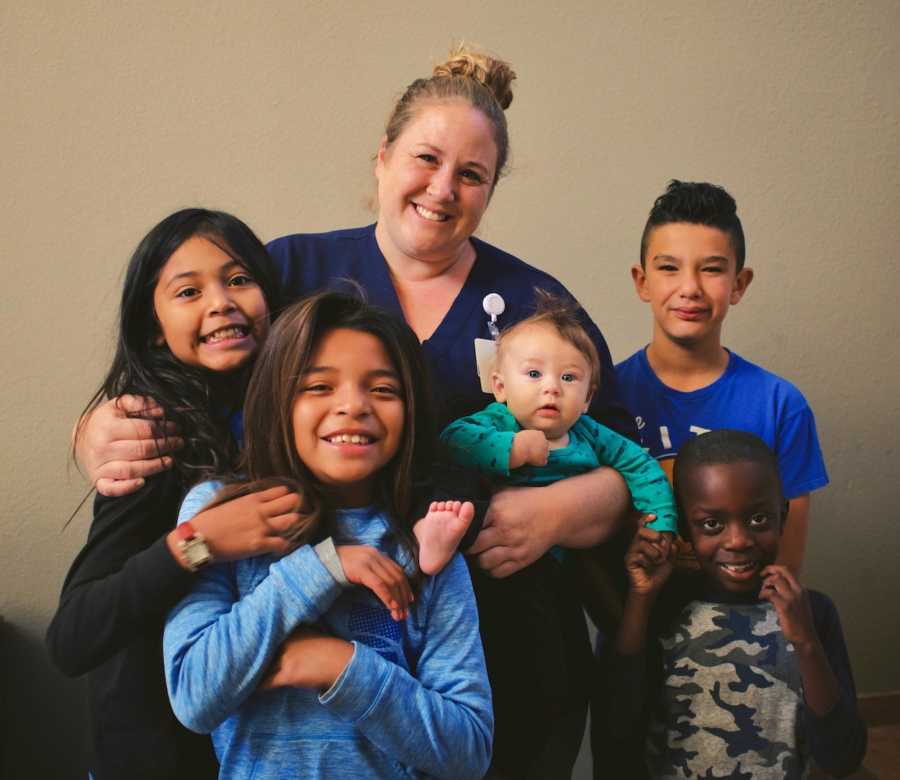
x,y
189,396
270,455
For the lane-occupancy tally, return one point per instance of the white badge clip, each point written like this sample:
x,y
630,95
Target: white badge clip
x,y
486,349
494,305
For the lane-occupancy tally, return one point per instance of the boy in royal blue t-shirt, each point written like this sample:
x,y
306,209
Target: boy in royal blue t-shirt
x,y
685,382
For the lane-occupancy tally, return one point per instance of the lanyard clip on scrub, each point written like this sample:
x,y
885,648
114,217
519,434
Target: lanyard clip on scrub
x,y
486,349
494,305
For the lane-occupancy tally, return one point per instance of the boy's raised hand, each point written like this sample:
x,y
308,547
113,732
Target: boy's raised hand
x,y
650,559
529,447
251,525
791,603
123,441
364,565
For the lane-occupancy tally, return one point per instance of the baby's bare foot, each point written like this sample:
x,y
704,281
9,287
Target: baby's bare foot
x,y
440,532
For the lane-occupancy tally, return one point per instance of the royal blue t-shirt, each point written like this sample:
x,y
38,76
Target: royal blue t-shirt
x,y
746,398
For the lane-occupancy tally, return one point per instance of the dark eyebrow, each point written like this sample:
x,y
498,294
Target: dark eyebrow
x,y
469,164
225,268
378,373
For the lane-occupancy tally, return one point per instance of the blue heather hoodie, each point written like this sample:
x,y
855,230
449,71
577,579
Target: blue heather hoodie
x,y
414,700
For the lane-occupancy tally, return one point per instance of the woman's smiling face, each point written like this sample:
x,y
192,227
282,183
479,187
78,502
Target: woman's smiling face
x,y
435,182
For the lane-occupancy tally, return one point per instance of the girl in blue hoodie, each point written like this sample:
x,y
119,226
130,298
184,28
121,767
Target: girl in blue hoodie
x,y
293,669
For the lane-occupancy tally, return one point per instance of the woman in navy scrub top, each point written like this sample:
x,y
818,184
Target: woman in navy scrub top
x,y
444,149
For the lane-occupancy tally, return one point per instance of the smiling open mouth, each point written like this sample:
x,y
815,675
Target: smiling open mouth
x,y
745,567
226,333
432,216
350,438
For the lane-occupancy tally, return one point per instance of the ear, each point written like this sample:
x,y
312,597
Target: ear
x,y
498,387
639,277
741,283
380,155
786,507
587,401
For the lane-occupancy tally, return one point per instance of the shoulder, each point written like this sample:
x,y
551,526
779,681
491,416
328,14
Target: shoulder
x,y
303,243
823,609
636,364
773,386
512,275
197,498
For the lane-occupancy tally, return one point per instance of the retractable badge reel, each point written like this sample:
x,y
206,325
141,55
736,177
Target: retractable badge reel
x,y
486,349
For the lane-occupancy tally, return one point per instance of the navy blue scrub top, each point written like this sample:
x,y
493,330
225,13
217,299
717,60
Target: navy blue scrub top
x,y
311,262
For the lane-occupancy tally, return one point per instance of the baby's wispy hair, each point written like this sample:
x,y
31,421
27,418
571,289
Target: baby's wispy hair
x,y
565,316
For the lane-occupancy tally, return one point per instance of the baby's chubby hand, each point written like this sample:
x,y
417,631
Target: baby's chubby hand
x,y
529,447
650,559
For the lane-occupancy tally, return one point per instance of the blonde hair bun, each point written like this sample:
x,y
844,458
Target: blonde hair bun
x,y
491,72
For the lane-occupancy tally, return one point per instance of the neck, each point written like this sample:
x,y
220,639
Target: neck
x,y
407,269
687,366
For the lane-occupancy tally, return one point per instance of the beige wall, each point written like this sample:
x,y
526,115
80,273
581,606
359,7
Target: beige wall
x,y
115,114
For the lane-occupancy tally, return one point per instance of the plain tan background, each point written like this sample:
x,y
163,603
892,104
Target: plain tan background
x,y
115,114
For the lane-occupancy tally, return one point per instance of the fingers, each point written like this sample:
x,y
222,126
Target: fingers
x,y
368,567
137,406
278,505
389,584
488,537
114,488
131,470
785,574
500,561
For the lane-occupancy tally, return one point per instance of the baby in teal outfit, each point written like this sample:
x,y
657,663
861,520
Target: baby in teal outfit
x,y
537,432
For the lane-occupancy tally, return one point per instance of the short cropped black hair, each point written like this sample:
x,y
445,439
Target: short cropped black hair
x,y
698,203
717,447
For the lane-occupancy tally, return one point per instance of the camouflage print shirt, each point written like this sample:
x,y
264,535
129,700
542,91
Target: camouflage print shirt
x,y
726,699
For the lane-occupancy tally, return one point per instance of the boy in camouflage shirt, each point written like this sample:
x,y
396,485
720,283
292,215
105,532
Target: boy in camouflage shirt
x,y
736,671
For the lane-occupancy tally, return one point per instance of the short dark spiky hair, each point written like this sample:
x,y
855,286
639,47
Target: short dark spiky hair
x,y
698,203
717,447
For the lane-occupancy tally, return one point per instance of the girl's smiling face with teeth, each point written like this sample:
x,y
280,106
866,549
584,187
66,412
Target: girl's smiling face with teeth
x,y
435,182
211,313
734,515
348,415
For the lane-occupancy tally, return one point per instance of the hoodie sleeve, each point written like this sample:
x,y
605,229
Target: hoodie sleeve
x,y
219,642
439,721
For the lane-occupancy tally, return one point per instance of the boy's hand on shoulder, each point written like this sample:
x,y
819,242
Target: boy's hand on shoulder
x,y
791,602
529,448
650,559
308,659
364,565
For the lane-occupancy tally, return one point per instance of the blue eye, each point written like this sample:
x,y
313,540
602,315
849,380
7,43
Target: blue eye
x,y
569,378
428,158
534,374
472,176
